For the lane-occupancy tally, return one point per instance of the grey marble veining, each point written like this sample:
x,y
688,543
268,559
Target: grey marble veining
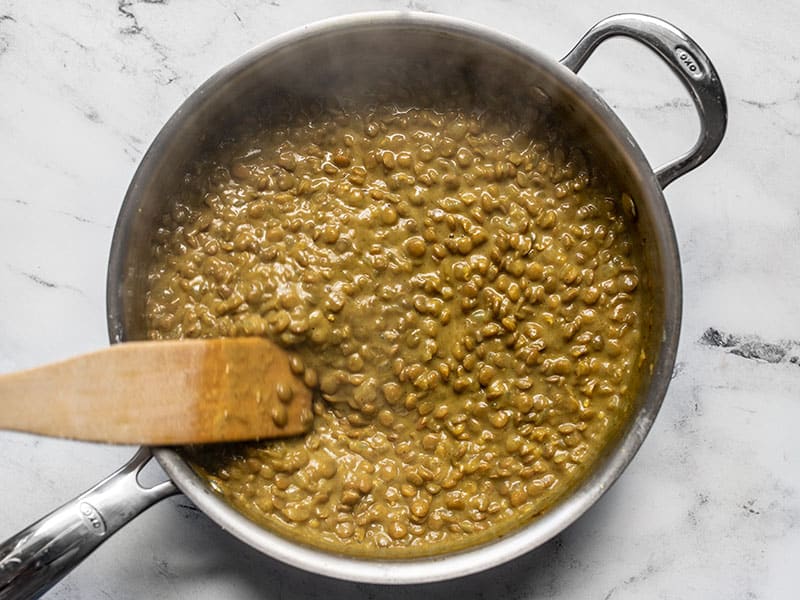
x,y
710,508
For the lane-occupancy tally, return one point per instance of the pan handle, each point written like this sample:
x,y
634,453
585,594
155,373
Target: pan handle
x,y
687,60
36,558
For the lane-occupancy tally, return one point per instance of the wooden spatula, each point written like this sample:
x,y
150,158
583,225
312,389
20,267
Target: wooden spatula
x,y
162,393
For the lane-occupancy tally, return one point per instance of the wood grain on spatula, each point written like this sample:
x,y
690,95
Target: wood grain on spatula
x,y
162,393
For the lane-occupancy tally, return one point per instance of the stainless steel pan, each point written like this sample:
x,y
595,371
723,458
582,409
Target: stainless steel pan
x,y
311,61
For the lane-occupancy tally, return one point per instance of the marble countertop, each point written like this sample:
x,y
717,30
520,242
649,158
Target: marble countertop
x,y
710,507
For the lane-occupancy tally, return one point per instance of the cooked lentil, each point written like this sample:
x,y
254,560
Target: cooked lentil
x,y
463,293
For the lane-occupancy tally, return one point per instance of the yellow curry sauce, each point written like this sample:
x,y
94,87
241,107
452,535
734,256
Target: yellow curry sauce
x,y
461,291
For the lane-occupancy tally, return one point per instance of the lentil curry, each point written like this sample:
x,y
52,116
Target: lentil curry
x,y
460,289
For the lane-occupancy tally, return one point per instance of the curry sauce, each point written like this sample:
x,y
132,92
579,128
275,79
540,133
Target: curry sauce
x,y
460,289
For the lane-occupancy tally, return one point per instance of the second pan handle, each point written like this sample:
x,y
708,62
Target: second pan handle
x,y
687,60
36,558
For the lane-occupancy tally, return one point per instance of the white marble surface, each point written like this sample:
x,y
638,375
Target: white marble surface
x,y
710,508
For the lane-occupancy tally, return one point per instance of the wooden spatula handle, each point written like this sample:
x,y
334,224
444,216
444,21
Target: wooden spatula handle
x,y
161,393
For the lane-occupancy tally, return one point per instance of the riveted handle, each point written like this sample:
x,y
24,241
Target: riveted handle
x,y
687,60
36,558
